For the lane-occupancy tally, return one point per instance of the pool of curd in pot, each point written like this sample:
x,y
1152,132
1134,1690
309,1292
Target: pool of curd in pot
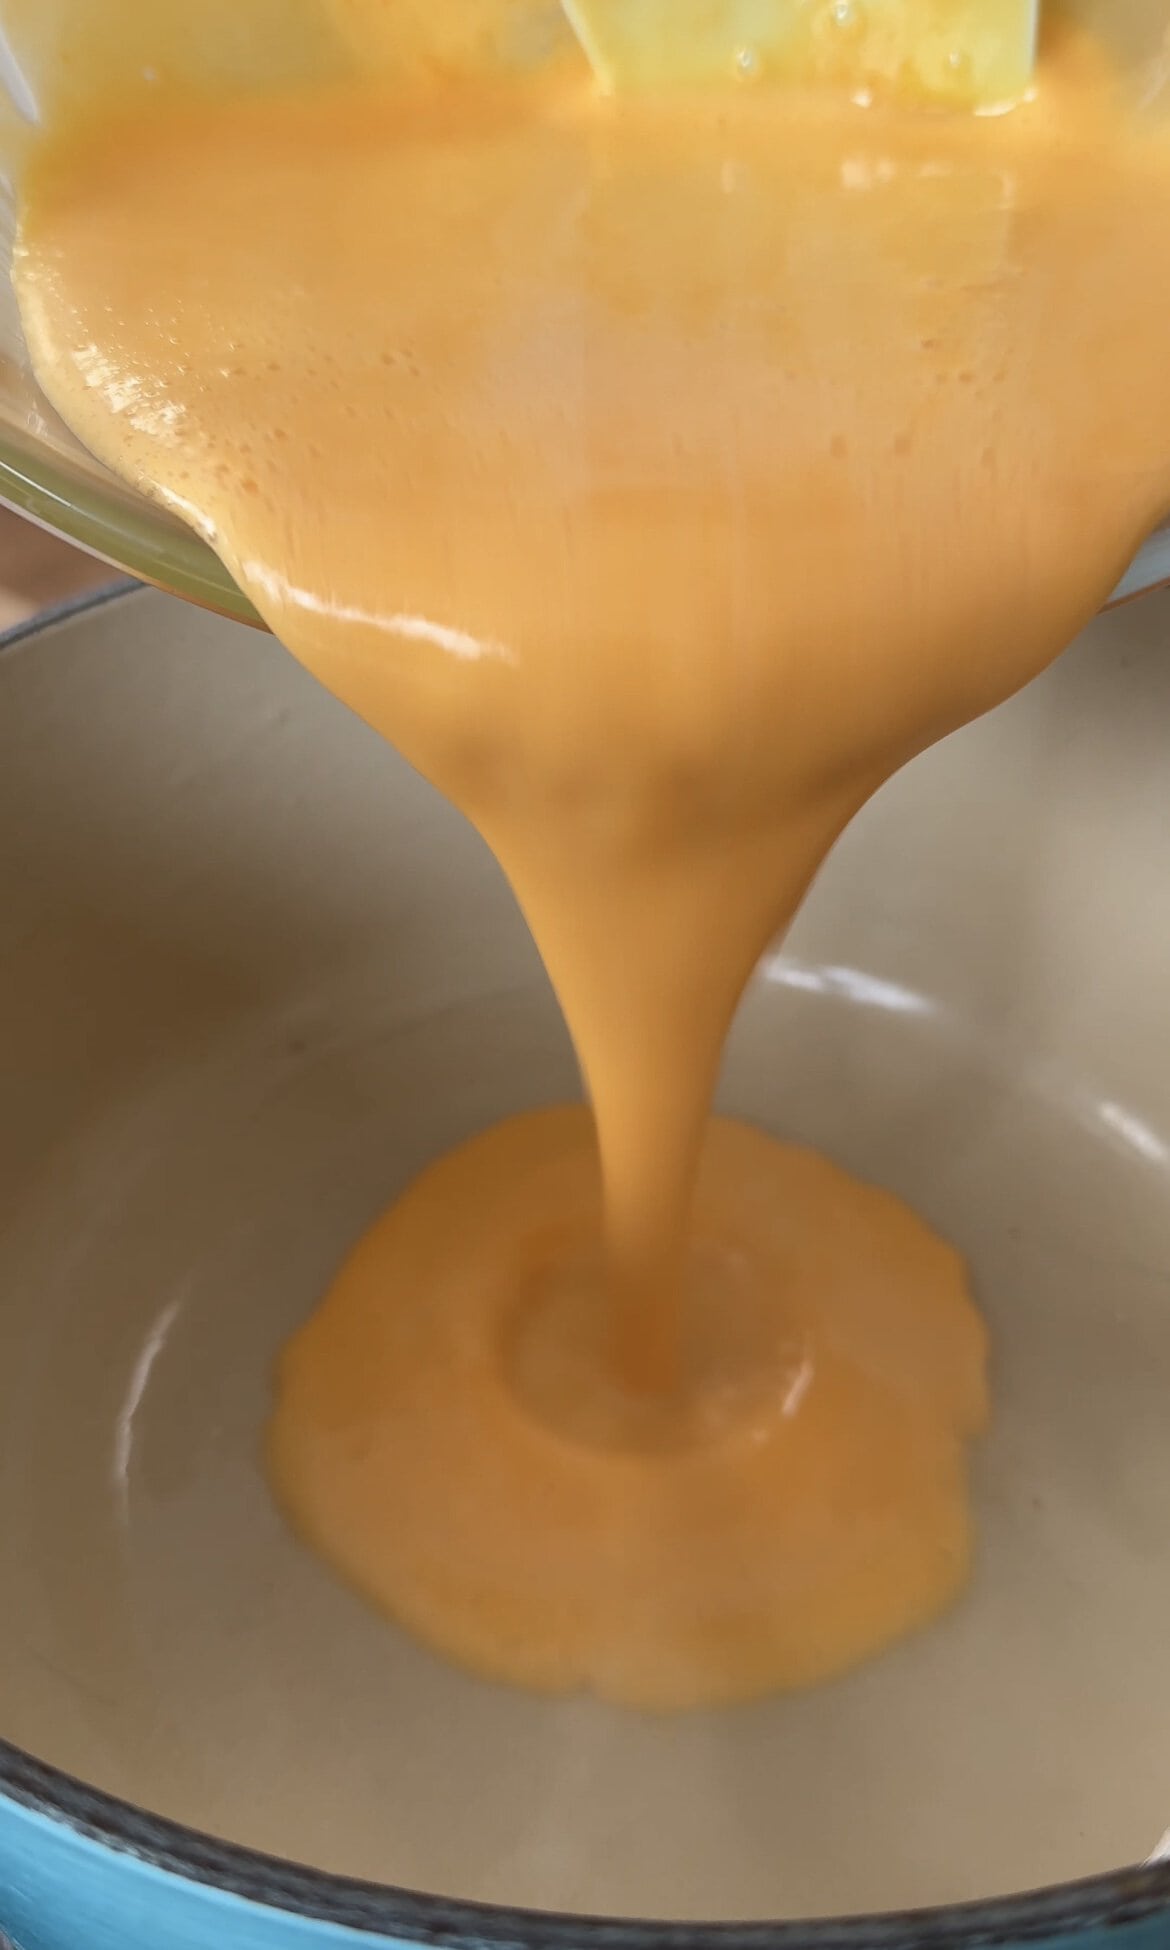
x,y
658,474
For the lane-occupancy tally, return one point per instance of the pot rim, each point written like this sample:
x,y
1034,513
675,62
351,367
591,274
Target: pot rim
x,y
1110,1902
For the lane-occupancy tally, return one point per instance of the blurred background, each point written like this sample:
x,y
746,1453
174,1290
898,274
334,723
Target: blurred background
x,y
37,571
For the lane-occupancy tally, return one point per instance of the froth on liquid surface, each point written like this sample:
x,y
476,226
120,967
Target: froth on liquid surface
x,y
659,479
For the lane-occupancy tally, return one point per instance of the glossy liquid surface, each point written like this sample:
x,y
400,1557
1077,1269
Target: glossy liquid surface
x,y
659,478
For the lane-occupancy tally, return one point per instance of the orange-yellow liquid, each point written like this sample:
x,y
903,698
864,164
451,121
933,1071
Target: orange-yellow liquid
x,y
659,477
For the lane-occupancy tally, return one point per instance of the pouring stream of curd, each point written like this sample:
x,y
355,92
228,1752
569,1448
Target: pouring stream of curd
x,y
659,476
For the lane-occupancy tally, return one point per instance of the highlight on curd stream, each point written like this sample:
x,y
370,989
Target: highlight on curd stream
x,y
661,422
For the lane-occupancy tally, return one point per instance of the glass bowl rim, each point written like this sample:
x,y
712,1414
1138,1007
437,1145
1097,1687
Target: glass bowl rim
x,y
138,538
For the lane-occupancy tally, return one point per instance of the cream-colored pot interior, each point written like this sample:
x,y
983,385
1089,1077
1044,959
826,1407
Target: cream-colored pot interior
x,y
253,974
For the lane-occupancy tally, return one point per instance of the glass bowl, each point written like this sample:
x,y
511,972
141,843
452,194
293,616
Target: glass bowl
x,y
46,474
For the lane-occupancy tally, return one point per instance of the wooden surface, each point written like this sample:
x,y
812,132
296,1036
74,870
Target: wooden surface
x,y
36,570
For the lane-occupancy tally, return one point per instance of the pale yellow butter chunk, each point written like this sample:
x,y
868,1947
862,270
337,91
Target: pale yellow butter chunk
x,y
971,53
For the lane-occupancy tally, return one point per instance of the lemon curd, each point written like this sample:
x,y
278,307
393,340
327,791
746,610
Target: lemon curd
x,y
659,475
